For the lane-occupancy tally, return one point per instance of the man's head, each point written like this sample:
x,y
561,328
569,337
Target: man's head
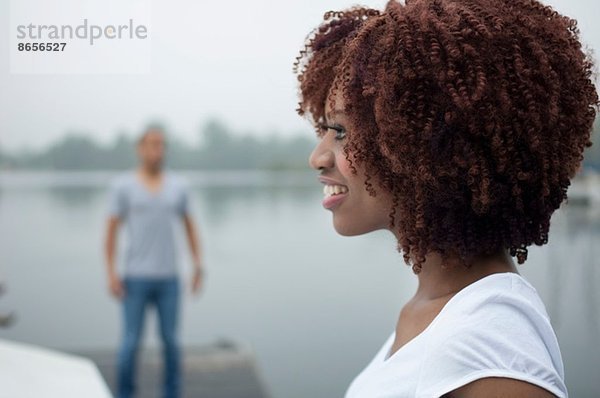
x,y
151,148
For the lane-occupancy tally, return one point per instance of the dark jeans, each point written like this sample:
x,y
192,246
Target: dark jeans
x,y
164,294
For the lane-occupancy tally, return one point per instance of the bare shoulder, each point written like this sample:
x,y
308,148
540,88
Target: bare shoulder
x,y
500,387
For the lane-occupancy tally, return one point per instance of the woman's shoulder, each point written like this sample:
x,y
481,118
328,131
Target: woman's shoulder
x,y
496,327
505,295
503,313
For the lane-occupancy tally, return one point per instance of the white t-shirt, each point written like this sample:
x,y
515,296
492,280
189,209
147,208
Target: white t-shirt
x,y
494,327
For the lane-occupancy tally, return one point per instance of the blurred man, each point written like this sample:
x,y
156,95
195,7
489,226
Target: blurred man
x,y
149,201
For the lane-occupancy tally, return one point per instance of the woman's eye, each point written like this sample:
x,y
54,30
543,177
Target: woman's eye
x,y
340,132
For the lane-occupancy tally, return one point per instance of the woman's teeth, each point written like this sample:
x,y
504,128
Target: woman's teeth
x,y
330,190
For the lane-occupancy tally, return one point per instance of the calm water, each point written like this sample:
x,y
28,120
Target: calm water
x,y
314,306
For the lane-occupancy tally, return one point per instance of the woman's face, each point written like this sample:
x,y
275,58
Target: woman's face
x,y
355,212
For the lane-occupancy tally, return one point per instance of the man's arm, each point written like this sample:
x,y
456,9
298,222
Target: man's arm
x,y
195,248
114,283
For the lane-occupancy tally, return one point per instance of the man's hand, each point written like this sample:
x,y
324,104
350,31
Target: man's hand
x,y
198,272
197,279
115,286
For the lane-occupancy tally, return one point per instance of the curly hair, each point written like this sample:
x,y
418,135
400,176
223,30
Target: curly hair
x,y
473,114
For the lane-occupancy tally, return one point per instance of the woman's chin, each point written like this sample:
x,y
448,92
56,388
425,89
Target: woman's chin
x,y
347,226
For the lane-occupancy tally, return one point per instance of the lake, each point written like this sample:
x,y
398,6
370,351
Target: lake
x,y
314,306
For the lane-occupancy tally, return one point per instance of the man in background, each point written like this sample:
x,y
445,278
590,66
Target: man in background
x,y
149,202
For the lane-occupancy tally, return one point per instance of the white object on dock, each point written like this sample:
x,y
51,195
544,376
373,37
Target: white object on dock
x,y
28,371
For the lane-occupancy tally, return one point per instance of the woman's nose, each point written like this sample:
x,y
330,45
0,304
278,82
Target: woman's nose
x,y
321,157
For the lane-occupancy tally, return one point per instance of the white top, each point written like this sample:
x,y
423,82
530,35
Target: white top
x,y
495,327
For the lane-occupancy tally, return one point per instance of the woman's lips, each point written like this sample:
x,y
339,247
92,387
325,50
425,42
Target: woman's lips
x,y
330,202
334,192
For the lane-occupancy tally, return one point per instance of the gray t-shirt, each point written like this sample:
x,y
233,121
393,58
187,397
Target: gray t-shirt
x,y
150,219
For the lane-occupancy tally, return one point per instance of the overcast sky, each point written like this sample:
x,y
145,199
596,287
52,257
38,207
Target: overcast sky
x,y
228,59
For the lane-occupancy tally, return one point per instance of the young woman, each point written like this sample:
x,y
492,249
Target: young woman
x,y
457,125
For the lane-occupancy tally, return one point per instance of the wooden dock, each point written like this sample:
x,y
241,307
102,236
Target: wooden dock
x,y
222,370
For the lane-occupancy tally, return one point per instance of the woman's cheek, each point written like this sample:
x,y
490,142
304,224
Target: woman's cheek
x,y
344,166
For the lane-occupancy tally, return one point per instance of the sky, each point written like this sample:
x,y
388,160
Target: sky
x,y
226,59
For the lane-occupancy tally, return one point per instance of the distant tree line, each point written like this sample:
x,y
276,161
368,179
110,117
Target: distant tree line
x,y
219,148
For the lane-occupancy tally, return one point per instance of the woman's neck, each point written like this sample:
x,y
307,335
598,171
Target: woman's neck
x,y
439,278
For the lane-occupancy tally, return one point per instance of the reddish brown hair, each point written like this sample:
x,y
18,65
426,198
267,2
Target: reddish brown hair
x,y
474,115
